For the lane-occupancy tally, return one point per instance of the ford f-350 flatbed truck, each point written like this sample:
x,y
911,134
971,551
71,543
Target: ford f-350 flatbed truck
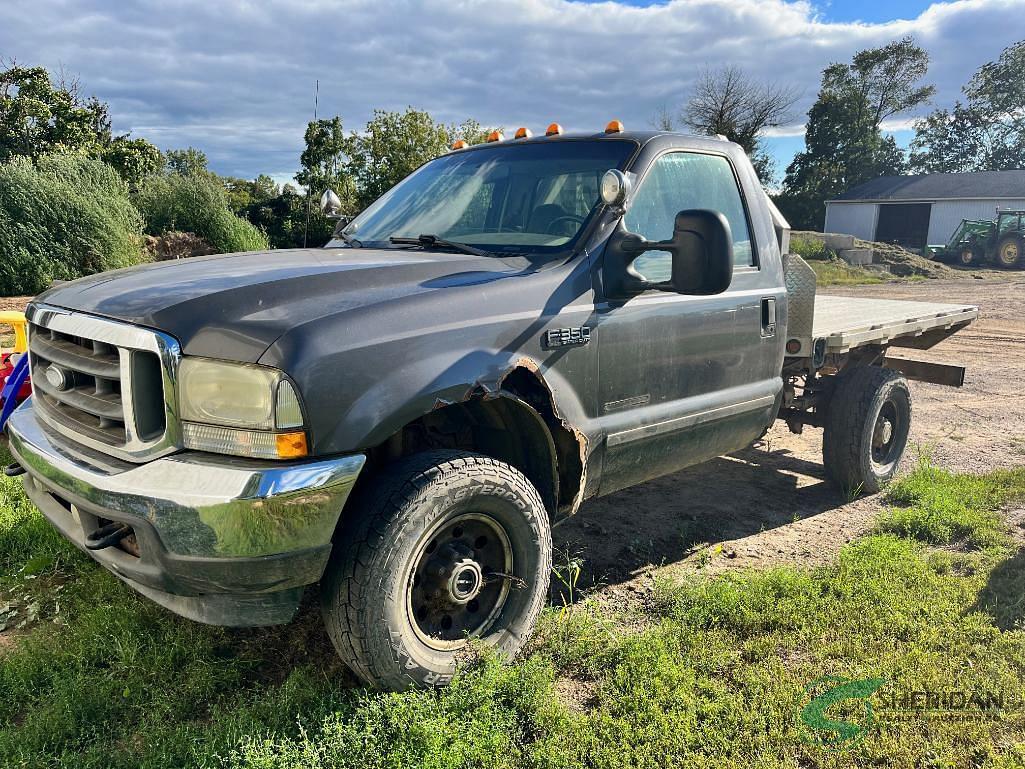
x,y
514,328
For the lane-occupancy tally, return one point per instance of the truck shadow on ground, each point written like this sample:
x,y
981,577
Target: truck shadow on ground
x,y
616,538
1002,597
665,520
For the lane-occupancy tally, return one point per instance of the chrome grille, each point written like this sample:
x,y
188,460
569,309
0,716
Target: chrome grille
x,y
104,384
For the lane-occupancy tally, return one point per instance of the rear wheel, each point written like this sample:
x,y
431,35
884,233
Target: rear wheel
x,y
866,430
1011,252
443,547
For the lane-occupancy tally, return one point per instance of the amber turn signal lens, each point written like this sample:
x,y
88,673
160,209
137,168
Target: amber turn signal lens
x,y
291,445
458,144
614,127
554,130
523,133
495,136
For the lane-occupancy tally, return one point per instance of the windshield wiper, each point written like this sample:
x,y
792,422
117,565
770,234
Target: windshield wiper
x,y
433,241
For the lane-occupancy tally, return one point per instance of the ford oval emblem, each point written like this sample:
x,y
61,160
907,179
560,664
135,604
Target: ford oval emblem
x,y
57,378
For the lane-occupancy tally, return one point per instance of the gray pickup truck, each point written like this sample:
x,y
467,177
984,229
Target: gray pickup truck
x,y
400,416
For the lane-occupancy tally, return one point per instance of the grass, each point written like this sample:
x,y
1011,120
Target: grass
x,y
712,671
836,272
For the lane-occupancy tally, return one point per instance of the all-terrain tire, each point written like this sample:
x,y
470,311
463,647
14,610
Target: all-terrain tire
x,y
854,453
1011,252
395,521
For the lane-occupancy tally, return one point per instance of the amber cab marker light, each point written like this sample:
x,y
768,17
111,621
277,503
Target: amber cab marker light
x,y
614,127
523,133
495,136
458,144
554,130
291,445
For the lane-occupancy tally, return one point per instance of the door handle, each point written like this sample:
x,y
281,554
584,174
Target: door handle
x,y
769,316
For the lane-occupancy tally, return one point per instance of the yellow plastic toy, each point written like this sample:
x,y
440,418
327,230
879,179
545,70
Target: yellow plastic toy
x,y
17,321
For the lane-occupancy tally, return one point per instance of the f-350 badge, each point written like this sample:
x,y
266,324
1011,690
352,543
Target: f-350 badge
x,y
566,337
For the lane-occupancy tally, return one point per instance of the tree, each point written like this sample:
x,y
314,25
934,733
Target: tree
x,y
882,80
38,119
133,159
324,161
393,145
730,103
844,143
360,167
986,132
470,131
663,119
185,162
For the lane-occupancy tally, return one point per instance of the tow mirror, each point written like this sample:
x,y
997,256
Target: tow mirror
x,y
702,257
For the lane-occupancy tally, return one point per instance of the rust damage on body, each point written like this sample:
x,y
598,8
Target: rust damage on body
x,y
525,380
513,417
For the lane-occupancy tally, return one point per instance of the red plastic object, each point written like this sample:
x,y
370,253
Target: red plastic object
x,y
7,361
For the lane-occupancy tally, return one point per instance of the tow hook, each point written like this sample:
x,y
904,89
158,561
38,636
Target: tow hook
x,y
13,470
108,535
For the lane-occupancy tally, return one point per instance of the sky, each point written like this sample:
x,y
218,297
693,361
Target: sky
x,y
235,78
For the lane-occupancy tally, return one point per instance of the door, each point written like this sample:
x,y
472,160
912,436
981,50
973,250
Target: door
x,y
906,224
681,378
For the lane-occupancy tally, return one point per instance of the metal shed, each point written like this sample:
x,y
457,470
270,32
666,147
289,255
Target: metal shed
x,y
916,211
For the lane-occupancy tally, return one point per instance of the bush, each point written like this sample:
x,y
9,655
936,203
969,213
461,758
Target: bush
x,y
196,203
811,249
65,217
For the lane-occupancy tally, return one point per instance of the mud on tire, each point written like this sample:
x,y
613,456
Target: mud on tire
x,y
401,592
866,428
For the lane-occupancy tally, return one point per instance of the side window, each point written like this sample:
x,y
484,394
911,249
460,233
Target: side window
x,y
678,181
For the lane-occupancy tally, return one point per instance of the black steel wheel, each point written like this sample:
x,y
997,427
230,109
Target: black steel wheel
x,y
437,549
458,585
868,420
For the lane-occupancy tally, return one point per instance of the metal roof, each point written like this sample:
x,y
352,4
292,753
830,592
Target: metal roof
x,y
924,187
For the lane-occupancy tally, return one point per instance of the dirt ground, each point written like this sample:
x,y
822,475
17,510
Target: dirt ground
x,y
771,504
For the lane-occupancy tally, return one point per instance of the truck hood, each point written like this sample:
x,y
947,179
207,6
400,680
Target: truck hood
x,y
234,306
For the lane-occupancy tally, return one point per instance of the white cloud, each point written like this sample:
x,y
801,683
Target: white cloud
x,y
235,78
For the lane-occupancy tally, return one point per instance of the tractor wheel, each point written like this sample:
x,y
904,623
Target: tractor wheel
x,y
1011,252
967,257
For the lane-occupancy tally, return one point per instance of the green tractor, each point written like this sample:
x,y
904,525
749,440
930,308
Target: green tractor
x,y
977,241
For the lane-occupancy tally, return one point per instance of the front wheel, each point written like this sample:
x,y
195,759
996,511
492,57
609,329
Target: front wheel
x,y
967,257
866,430
444,546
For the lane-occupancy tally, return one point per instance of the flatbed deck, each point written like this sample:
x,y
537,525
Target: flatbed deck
x,y
847,322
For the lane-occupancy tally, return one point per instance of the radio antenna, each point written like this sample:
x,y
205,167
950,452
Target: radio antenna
x,y
309,185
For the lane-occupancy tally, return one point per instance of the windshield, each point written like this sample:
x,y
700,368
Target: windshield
x,y
527,198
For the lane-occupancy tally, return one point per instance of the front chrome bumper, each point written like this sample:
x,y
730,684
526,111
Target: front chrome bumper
x,y
220,540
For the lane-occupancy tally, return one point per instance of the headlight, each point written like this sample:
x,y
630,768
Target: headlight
x,y
234,408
